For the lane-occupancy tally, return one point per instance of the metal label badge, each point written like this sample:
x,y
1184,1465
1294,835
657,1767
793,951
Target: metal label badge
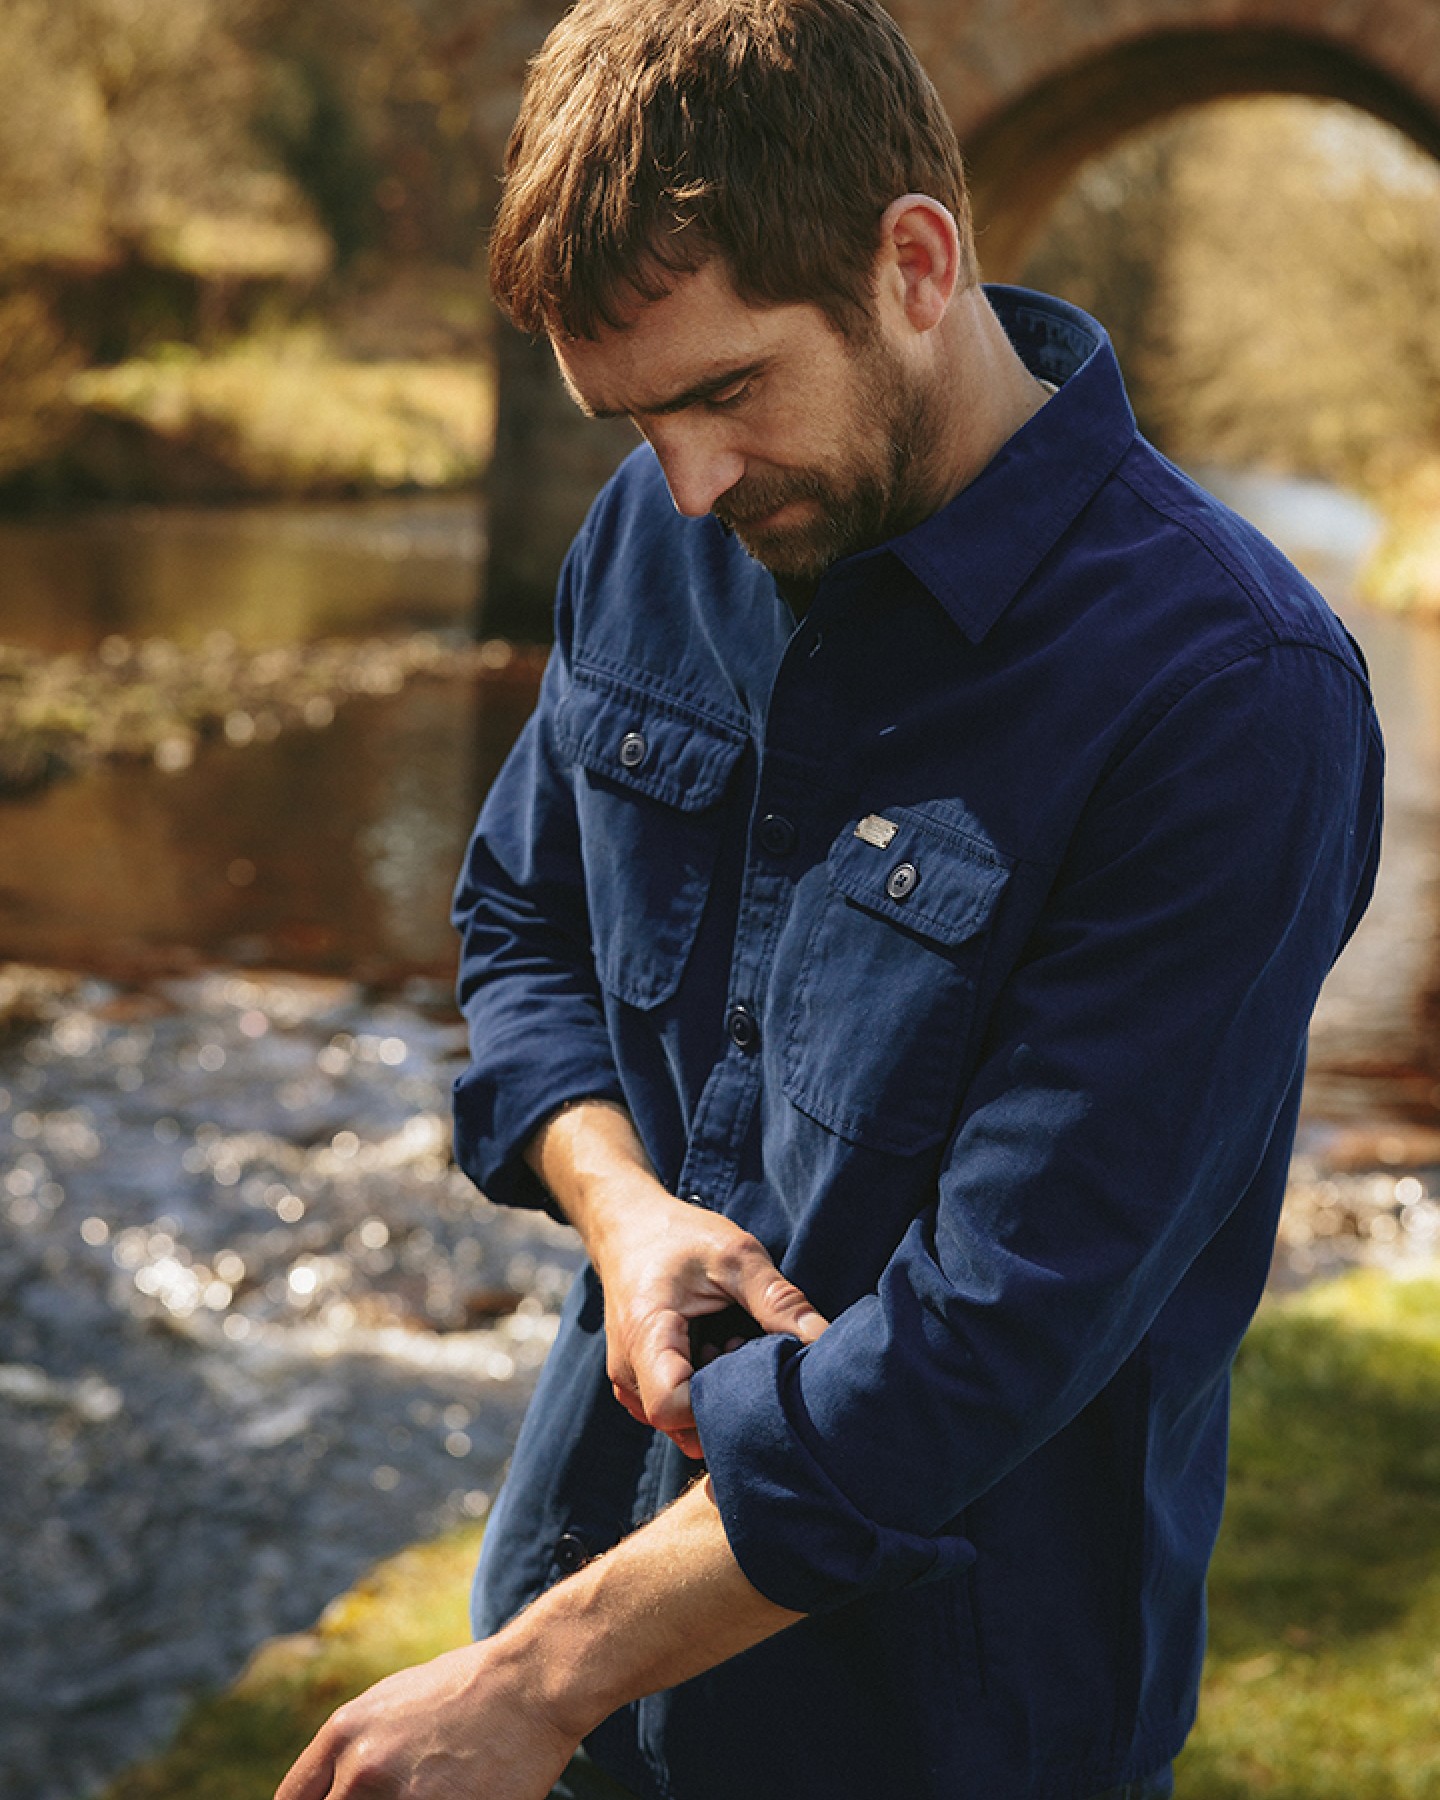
x,y
872,829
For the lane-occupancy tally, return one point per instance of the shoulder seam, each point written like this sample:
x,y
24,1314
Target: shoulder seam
x,y
1218,551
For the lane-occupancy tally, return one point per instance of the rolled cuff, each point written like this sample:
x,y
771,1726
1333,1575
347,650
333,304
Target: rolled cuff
x,y
496,1119
795,1533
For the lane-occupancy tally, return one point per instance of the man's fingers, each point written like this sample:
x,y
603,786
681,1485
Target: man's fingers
x,y
665,1389
630,1400
777,1305
310,1778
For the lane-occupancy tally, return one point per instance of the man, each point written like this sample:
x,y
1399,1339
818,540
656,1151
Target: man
x,y
891,945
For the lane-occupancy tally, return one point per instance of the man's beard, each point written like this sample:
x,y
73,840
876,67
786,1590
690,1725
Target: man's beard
x,y
844,509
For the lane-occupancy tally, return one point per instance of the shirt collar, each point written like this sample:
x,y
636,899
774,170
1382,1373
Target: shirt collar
x,y
977,552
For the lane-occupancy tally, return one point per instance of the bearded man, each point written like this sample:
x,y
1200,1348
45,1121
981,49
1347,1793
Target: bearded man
x,y
891,945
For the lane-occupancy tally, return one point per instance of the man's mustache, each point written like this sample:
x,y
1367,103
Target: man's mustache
x,y
755,497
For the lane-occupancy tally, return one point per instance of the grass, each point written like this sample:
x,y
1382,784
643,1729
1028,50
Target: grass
x,y
288,412
1323,1681
1324,1676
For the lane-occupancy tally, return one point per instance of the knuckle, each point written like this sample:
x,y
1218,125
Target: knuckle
x,y
344,1723
745,1257
374,1781
781,1293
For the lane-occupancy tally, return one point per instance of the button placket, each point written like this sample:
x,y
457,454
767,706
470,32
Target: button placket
x,y
777,835
731,1094
572,1552
743,1028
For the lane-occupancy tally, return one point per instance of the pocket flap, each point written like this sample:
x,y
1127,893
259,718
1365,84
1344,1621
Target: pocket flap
x,y
648,745
918,872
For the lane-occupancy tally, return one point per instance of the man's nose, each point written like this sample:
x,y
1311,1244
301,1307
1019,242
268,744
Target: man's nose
x,y
697,472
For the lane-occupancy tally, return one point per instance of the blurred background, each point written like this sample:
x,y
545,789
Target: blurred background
x,y
280,511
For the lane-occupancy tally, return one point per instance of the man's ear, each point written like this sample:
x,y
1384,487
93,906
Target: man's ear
x,y
919,260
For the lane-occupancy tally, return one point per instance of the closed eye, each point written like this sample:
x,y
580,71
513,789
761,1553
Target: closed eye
x,y
733,396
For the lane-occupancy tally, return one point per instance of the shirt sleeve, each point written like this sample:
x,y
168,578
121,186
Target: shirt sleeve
x,y
527,983
1135,1070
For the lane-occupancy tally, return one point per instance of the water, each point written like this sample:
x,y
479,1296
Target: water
x,y
254,1329
263,574
330,850
257,1333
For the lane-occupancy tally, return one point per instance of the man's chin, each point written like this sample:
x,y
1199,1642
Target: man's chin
x,y
788,555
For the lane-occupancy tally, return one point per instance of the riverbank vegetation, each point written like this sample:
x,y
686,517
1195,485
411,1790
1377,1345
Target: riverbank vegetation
x,y
283,411
155,701
237,246
1325,1593
238,1747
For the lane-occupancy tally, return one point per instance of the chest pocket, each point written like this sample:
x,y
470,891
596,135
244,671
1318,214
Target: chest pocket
x,y
649,778
878,1040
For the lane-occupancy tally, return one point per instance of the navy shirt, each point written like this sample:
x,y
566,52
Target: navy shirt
x,y
959,942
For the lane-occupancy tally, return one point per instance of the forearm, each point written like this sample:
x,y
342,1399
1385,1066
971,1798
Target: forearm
x,y
667,1603
591,1161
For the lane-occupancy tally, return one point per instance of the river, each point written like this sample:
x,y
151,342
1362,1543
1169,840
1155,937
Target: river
x,y
255,1331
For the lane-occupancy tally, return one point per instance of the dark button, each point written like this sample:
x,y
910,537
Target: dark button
x,y
777,835
571,1553
744,1027
902,881
633,750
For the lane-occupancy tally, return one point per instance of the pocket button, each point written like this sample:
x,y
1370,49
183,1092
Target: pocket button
x,y
777,835
633,750
902,880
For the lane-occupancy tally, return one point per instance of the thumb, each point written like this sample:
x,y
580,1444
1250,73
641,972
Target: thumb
x,y
777,1305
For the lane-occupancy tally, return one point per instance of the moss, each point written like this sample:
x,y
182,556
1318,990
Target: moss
x,y
238,1745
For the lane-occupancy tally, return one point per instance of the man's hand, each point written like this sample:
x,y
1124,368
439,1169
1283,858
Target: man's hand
x,y
663,1263
499,1720
463,1727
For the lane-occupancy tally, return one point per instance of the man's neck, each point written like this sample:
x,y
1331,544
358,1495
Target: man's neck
x,y
992,393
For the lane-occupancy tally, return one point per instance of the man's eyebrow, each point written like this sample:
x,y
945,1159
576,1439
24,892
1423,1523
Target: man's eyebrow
x,y
702,391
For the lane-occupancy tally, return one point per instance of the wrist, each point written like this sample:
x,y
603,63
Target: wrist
x,y
592,1162
554,1653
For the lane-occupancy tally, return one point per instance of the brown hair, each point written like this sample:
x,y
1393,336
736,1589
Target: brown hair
x,y
655,134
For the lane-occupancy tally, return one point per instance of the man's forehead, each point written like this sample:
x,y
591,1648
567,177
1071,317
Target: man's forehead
x,y
602,400
673,351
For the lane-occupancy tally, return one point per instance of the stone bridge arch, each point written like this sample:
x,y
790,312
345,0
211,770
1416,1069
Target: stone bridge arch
x,y
1036,88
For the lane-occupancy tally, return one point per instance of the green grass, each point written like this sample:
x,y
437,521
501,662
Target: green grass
x,y
1324,1675
1323,1681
